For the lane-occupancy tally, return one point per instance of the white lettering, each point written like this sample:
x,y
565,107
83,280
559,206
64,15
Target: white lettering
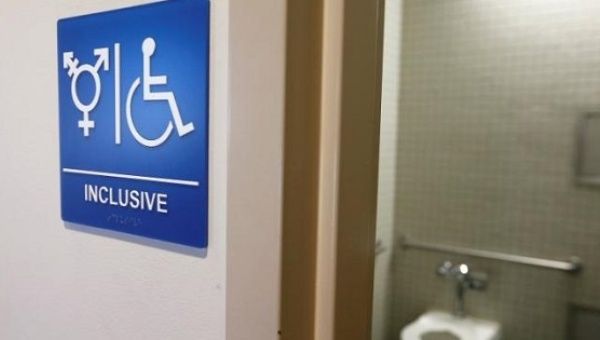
x,y
135,199
126,198
149,199
112,199
103,198
161,206
93,193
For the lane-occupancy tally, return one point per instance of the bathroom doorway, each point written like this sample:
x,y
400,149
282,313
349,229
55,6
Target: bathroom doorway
x,y
488,204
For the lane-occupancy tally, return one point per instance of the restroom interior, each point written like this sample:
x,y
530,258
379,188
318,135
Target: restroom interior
x,y
483,107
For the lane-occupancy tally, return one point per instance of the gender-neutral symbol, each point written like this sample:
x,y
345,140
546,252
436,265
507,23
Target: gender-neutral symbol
x,y
74,71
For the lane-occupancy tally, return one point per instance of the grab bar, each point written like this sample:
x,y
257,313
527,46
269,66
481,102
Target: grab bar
x,y
572,265
379,247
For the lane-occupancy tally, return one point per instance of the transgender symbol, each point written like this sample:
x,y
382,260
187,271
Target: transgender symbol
x,y
75,70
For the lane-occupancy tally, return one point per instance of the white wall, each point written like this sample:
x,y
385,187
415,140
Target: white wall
x,y
57,283
390,97
255,182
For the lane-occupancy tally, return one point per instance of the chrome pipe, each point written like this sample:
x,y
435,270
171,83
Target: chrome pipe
x,y
571,265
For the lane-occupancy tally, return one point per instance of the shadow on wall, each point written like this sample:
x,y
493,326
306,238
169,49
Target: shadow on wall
x,y
172,247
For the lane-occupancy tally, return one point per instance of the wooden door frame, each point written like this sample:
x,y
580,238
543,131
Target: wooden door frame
x,y
350,116
301,168
331,141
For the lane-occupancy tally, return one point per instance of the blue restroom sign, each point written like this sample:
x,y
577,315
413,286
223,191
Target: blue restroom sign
x,y
133,101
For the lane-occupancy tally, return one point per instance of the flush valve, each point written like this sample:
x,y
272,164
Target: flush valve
x,y
464,280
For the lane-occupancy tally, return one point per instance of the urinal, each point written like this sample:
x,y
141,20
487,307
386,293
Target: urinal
x,y
436,325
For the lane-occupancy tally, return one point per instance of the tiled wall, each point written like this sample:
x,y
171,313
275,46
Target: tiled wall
x,y
491,94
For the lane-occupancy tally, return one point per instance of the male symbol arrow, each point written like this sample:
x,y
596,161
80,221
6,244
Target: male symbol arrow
x,y
102,54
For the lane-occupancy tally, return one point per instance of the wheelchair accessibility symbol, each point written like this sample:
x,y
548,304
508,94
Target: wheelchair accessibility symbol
x,y
147,81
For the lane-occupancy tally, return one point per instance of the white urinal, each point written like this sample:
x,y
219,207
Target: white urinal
x,y
440,325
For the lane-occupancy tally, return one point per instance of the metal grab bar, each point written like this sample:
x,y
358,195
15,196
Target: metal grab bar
x,y
572,265
379,247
